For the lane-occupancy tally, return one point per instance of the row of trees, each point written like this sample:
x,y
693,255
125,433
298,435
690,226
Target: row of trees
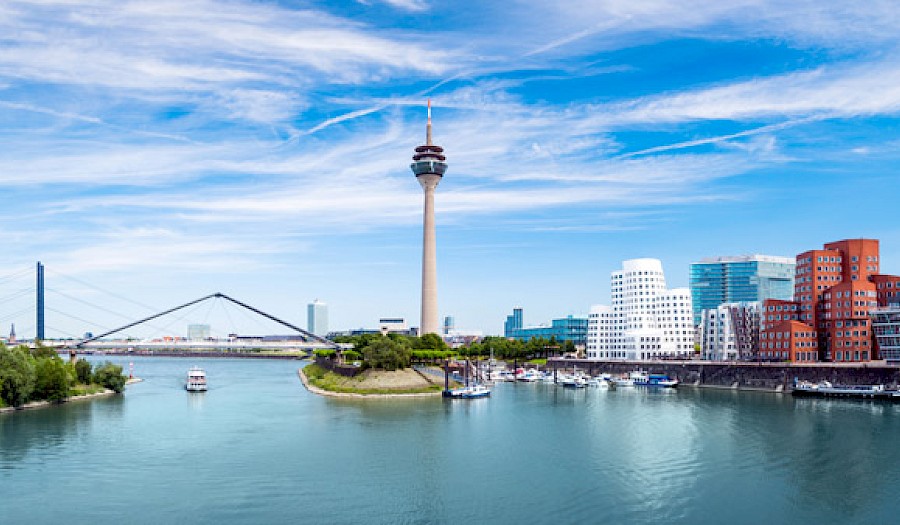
x,y
398,351
503,348
40,374
394,351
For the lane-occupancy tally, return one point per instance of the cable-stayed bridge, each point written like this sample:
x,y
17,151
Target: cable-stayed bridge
x,y
125,337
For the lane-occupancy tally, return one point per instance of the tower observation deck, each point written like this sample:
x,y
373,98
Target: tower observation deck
x,y
428,165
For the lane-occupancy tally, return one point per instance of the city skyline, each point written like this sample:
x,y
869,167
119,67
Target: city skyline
x,y
262,149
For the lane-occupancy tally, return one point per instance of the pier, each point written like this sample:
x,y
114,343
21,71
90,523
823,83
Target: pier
x,y
761,376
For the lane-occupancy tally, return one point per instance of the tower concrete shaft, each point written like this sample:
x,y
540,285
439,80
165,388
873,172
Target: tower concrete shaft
x,y
429,324
429,167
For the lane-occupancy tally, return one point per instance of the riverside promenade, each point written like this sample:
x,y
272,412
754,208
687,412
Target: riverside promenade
x,y
759,376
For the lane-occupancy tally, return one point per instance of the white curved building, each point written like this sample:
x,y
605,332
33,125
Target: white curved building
x,y
646,320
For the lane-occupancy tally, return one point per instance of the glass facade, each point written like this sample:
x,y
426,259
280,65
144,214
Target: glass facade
x,y
740,279
567,329
513,322
886,325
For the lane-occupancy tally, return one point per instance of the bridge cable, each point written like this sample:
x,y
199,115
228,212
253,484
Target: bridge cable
x,y
70,316
98,307
308,335
230,320
21,293
59,330
16,275
168,327
13,315
95,287
141,321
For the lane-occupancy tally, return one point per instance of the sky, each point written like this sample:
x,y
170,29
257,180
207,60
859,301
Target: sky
x,y
153,152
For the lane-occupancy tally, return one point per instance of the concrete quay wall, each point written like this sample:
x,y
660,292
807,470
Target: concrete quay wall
x,y
742,376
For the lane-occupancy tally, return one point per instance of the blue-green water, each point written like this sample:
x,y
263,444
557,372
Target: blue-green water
x,y
258,448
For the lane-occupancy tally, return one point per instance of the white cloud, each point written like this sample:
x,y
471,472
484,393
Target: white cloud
x,y
197,45
261,105
836,91
408,5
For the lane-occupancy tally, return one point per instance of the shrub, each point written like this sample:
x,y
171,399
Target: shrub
x,y
110,376
51,379
313,371
83,371
17,375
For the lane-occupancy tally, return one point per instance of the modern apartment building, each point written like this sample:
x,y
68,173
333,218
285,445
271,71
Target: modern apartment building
x,y
646,320
744,278
730,332
835,291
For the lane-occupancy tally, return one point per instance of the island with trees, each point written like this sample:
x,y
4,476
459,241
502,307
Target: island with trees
x,y
36,377
399,365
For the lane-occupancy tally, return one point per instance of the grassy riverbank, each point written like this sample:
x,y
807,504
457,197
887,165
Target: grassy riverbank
x,y
370,382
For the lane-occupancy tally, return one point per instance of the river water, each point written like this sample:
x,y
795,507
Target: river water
x,y
258,448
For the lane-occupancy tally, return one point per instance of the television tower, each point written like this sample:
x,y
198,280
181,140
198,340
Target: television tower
x,y
429,167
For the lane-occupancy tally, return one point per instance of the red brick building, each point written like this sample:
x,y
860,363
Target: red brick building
x,y
789,341
834,290
776,310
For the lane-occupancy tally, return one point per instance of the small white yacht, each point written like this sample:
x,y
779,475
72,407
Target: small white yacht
x,y
468,392
630,379
196,380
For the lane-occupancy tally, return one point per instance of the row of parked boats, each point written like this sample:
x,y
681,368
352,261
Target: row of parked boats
x,y
575,379
580,379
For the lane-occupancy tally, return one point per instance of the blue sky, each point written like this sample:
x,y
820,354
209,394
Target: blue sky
x,y
163,150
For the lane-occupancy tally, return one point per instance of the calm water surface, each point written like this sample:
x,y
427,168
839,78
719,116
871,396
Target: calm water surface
x,y
258,448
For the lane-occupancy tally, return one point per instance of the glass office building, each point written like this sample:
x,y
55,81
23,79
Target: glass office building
x,y
513,322
745,278
569,328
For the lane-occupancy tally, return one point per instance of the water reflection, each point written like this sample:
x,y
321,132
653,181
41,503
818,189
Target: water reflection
x,y
48,431
195,400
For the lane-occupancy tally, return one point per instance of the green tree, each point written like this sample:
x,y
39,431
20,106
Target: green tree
x,y
110,376
83,371
432,342
51,379
40,351
351,355
16,375
387,354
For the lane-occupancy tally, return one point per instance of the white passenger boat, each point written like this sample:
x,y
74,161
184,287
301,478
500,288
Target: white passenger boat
x,y
196,380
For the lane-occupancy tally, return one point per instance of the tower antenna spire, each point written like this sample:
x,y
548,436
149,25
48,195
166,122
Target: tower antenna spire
x,y
428,126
